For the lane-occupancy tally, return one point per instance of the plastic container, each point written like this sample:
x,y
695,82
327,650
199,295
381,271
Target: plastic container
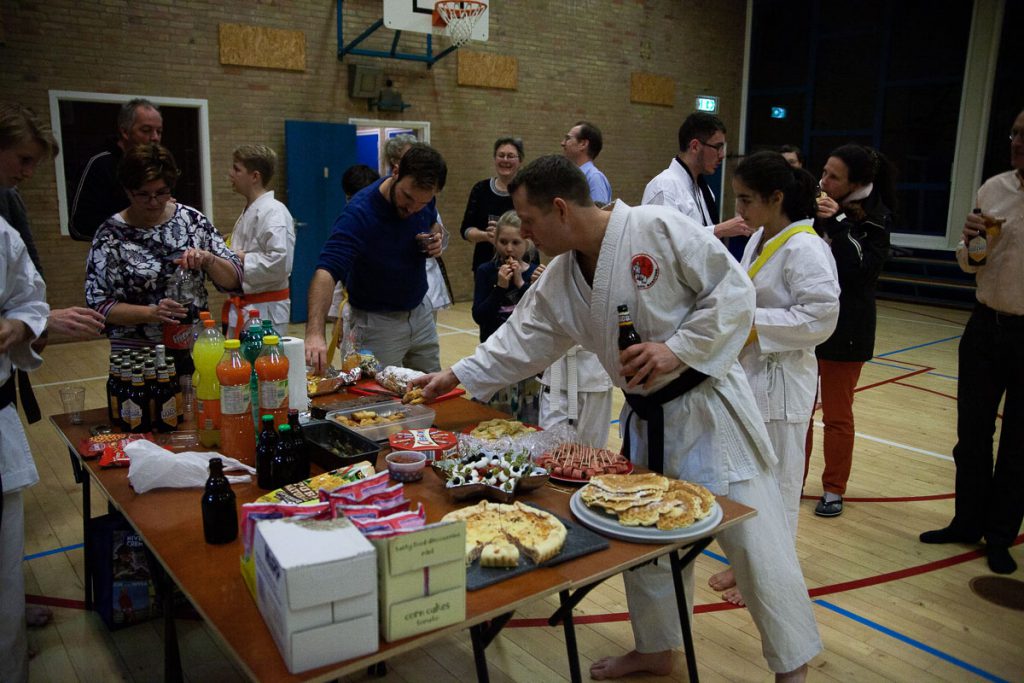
x,y
272,373
416,417
206,354
237,432
405,466
332,446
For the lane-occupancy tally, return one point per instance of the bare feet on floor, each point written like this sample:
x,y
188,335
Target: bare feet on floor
x,y
734,596
657,663
722,580
37,616
794,676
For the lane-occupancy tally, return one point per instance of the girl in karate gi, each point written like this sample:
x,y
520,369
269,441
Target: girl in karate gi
x,y
500,284
797,289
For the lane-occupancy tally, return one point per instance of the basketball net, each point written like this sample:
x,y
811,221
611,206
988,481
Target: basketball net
x,y
459,17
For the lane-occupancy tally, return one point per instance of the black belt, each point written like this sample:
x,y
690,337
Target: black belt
x,y
649,408
9,395
1012,322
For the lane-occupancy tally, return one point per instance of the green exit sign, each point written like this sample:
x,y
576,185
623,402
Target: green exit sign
x,y
707,103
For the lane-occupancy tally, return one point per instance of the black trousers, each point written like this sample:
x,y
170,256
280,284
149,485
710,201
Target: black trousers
x,y
990,502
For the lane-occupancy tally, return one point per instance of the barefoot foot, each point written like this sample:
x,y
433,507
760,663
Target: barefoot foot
x,y
734,596
657,663
722,580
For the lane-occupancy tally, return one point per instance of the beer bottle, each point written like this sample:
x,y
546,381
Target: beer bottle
x,y
149,379
113,382
124,386
172,377
134,411
977,248
220,517
265,448
298,445
165,413
628,335
282,464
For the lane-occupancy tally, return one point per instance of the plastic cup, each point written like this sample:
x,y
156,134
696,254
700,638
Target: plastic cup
x,y
72,398
188,397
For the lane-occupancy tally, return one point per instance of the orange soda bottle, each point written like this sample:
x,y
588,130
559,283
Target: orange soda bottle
x,y
237,433
272,376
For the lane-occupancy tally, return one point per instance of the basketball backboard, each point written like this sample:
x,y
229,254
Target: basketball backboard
x,y
417,16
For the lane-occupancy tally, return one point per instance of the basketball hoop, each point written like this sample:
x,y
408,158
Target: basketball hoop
x,y
459,16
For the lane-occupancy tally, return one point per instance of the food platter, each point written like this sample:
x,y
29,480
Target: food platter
x,y
609,526
531,430
577,482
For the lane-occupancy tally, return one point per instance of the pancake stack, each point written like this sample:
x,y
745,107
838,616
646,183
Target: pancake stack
x,y
649,500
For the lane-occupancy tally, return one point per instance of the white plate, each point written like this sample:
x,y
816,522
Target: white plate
x,y
608,525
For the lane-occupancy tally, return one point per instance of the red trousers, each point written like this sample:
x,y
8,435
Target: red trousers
x,y
838,380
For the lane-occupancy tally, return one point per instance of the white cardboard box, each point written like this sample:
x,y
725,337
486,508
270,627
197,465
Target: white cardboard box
x,y
317,590
309,562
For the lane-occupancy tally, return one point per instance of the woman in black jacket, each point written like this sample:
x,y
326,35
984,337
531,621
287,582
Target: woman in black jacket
x,y
854,216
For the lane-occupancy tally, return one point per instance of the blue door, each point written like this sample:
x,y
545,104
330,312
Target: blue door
x,y
317,156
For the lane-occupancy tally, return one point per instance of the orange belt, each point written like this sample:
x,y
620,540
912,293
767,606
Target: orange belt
x,y
240,302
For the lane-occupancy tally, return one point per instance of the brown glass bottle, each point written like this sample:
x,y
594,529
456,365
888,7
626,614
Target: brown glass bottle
x,y
220,517
165,411
113,384
299,445
977,247
628,336
266,445
134,406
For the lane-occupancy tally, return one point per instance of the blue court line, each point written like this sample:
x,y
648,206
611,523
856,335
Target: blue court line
x,y
910,641
66,548
715,556
918,346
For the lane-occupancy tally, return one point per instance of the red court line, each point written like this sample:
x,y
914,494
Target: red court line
x,y
54,602
814,592
923,370
897,499
930,391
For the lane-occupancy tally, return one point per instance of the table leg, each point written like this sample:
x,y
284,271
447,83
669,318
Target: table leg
x,y
678,564
172,656
482,635
570,637
87,549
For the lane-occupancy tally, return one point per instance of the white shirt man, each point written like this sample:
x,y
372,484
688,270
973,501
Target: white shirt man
x,y
682,186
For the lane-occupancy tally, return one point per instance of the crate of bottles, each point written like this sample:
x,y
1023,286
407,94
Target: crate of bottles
x,y
332,446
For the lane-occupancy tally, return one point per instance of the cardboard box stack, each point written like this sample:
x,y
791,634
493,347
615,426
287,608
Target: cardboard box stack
x,y
317,590
422,580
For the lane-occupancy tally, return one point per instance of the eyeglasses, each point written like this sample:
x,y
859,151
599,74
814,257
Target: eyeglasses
x,y
506,156
1017,133
150,196
718,147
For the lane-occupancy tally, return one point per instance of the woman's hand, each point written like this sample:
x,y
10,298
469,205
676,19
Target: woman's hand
x,y
537,273
196,259
827,207
517,273
168,311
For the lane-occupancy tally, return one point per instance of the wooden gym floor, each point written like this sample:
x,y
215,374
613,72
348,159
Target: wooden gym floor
x,y
889,608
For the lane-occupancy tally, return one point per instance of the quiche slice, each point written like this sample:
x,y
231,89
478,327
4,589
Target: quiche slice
x,y
491,526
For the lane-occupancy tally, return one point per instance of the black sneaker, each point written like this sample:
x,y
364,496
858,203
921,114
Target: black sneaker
x,y
827,508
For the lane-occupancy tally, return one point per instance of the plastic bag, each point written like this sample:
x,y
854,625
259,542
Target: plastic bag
x,y
153,467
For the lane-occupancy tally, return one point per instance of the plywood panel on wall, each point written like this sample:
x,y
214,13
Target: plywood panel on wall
x,y
271,48
652,89
487,70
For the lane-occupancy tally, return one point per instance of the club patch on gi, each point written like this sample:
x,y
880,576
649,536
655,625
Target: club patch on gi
x,y
645,270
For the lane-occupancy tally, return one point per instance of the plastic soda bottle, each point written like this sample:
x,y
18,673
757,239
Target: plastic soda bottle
x,y
237,433
272,373
252,344
206,353
268,328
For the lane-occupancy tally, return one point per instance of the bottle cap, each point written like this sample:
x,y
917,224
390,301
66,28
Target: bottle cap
x,y
205,315
284,428
208,323
232,343
254,313
271,339
267,418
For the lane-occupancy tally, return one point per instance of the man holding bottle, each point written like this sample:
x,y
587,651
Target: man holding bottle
x,y
691,302
989,503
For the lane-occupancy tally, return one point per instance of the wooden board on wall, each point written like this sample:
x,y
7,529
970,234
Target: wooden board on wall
x,y
487,70
651,89
270,48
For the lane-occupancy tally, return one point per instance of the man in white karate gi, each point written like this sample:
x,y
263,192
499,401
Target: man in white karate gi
x,y
693,306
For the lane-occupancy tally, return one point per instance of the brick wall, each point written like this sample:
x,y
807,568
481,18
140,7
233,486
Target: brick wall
x,y
575,60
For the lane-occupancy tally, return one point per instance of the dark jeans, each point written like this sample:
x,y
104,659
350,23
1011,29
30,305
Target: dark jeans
x,y
990,503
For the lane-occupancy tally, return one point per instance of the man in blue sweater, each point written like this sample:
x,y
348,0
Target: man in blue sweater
x,y
378,248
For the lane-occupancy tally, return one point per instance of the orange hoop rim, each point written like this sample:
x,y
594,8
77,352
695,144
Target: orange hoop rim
x,y
446,10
